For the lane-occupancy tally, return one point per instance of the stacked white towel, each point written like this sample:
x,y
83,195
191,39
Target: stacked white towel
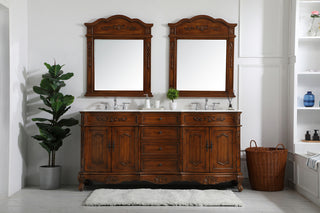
x,y
313,161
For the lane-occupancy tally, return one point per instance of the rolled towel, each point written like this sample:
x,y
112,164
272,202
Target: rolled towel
x,y
313,161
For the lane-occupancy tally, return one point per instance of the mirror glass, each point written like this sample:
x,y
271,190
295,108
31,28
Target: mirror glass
x,y
118,64
201,65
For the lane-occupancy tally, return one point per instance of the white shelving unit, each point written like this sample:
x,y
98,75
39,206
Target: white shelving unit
x,y
306,76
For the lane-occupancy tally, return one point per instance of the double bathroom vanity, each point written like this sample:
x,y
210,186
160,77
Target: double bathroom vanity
x,y
160,146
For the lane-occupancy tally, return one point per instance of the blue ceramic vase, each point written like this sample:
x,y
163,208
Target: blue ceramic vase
x,y
308,99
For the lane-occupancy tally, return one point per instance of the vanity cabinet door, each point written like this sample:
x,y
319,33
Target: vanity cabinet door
x,y
196,149
97,149
223,149
125,146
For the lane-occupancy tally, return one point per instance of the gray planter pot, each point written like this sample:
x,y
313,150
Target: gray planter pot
x,y
50,177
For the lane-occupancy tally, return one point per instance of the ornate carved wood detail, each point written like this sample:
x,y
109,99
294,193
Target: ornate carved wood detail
x,y
202,27
209,118
209,180
119,27
111,118
159,179
111,179
81,180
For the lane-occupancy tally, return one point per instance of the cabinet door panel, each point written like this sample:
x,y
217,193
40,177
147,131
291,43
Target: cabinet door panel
x,y
124,149
223,149
195,149
97,155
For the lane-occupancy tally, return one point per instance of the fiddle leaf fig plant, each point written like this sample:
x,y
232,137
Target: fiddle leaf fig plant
x,y
53,130
172,94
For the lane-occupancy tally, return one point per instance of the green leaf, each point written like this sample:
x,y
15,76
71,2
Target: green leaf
x,y
44,126
45,101
61,112
49,137
40,90
47,65
45,84
57,69
46,147
66,76
68,122
57,145
68,100
58,132
39,137
46,110
40,119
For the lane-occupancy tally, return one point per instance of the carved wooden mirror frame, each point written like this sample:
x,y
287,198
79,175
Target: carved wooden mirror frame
x,y
119,27
202,27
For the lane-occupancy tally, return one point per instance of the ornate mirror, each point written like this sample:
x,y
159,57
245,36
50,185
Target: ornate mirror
x,y
118,57
201,57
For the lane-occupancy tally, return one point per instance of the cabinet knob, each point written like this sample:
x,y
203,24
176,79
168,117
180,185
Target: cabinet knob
x,y
160,119
160,132
160,148
160,164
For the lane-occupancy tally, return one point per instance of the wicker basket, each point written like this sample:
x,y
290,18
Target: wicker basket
x,y
266,167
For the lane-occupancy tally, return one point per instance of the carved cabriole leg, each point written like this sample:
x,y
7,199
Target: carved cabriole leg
x,y
81,180
239,179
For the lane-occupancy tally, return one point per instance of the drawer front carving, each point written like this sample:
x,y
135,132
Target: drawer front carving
x,y
159,165
210,119
160,133
110,119
160,119
159,148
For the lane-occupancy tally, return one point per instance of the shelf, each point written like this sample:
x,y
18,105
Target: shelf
x,y
307,108
311,142
305,38
308,2
308,73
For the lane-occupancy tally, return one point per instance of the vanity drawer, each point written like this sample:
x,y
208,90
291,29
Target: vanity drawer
x,y
159,148
159,165
109,119
156,133
211,119
160,118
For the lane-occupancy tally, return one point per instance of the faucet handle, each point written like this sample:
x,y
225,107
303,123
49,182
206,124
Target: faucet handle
x,y
125,105
214,105
197,105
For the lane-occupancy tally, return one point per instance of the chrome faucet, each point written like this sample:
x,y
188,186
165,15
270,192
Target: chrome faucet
x,y
115,105
206,106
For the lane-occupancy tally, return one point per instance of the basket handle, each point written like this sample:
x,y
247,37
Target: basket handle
x,y
280,144
254,143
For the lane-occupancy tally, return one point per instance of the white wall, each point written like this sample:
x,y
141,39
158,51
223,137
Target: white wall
x,y
4,99
58,32
18,66
262,71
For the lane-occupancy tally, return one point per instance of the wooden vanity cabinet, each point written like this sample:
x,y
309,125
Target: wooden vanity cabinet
x,y
160,147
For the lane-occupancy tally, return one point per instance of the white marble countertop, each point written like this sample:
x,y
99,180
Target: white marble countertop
x,y
157,110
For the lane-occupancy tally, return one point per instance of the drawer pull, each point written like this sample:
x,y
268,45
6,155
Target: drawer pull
x,y
160,132
160,119
160,148
160,164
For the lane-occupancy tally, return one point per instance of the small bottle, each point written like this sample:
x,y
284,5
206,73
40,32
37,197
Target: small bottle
x,y
147,103
315,136
307,136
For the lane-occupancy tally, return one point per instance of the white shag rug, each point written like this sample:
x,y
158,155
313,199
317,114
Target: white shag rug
x,y
162,197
